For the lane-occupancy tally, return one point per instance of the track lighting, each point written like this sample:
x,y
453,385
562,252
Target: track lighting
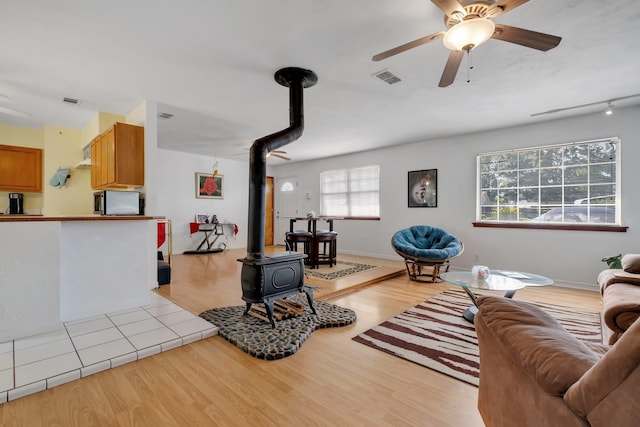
x,y
608,112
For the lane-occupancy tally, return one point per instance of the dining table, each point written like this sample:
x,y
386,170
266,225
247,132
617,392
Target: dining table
x,y
318,237
312,222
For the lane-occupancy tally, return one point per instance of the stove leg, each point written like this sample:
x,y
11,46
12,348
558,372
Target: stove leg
x,y
309,293
268,305
246,310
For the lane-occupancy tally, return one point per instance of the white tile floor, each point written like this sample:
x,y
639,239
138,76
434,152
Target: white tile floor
x,y
87,346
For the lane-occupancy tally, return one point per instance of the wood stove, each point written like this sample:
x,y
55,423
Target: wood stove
x,y
267,278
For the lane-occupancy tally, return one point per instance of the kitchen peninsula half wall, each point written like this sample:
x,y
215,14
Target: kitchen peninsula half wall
x,y
59,269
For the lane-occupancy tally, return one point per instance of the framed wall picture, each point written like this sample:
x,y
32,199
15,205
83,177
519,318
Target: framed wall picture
x,y
209,186
423,188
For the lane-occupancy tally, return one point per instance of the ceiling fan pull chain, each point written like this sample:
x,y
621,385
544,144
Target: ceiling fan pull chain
x,y
469,66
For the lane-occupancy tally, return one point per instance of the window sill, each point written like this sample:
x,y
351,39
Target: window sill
x,y
541,226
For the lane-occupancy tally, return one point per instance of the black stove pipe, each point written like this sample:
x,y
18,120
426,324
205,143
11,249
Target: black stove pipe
x,y
296,79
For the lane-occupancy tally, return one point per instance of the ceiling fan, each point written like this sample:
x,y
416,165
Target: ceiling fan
x,y
274,153
279,154
470,24
11,111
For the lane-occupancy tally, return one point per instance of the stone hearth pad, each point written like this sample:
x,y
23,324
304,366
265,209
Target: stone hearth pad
x,y
256,337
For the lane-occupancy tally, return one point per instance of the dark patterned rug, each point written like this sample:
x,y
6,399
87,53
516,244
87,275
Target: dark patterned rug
x,y
256,337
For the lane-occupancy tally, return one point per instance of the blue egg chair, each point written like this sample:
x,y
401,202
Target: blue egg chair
x,y
425,246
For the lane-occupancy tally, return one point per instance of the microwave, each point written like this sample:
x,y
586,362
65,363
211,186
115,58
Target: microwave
x,y
113,202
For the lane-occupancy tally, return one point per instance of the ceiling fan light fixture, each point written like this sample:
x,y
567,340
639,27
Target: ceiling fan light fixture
x,y
468,34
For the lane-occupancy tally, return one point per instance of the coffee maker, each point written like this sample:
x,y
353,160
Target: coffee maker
x,y
16,203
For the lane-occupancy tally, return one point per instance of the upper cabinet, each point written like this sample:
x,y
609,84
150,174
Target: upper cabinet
x,y
20,169
117,157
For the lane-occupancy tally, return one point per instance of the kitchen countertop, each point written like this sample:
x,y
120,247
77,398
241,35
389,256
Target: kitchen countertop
x,y
36,218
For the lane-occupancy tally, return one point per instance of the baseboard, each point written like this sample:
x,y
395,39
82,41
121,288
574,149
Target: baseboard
x,y
578,285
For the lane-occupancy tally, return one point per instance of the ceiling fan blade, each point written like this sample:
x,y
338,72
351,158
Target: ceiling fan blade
x,y
503,6
449,7
451,69
407,46
280,156
528,38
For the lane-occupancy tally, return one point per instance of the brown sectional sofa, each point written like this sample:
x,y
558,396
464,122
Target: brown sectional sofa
x,y
620,289
534,373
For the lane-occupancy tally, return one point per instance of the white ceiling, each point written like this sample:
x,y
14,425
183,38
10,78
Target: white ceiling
x,y
211,64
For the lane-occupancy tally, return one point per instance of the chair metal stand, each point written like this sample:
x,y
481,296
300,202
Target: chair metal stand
x,y
292,239
326,238
415,266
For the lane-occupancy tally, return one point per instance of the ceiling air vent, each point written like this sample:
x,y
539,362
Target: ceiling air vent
x,y
165,115
71,101
387,76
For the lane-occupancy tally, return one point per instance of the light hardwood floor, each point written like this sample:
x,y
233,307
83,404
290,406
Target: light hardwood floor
x,y
331,381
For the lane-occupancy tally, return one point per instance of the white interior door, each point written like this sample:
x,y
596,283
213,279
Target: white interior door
x,y
286,206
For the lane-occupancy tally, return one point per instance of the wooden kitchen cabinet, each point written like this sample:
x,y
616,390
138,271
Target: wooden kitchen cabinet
x,y
117,157
96,162
20,169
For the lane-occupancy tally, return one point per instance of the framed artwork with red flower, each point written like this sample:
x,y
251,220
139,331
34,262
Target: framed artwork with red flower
x,y
209,186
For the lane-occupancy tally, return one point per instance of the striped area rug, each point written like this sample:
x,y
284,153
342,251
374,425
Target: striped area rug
x,y
434,334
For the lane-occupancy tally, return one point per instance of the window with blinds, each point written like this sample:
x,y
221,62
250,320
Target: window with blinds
x,y
350,193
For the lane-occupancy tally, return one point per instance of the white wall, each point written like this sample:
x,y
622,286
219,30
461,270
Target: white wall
x,y
569,257
105,266
176,196
29,278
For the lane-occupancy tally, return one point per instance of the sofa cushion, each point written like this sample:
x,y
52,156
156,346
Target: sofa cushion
x,y
534,340
631,263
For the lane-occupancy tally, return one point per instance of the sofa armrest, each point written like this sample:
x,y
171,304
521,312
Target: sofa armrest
x,y
536,342
606,278
612,276
624,277
607,393
620,306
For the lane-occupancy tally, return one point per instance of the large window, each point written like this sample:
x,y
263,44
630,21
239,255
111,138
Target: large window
x,y
350,192
568,183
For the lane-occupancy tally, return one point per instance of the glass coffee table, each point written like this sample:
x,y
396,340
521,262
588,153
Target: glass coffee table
x,y
499,280
529,279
